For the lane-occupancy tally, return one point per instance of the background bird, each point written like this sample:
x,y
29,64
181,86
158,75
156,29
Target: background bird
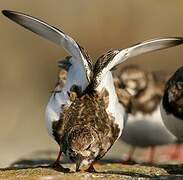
x,y
85,136
172,104
144,127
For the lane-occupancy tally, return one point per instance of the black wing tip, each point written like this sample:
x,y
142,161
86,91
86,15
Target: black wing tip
x,y
177,41
6,12
178,38
172,41
9,14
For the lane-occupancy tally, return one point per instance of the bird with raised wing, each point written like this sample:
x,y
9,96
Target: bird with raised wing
x,y
84,116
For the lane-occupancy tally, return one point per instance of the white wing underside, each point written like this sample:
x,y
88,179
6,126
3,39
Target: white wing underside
x,y
114,108
141,48
145,47
105,80
78,74
58,100
57,36
80,70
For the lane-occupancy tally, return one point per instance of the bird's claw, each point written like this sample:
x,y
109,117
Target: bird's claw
x,y
91,169
129,162
60,168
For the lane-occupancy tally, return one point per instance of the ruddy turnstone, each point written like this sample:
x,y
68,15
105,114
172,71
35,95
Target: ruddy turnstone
x,y
172,104
85,117
144,127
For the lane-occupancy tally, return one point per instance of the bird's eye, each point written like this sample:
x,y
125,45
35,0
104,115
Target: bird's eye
x,y
123,85
88,147
73,153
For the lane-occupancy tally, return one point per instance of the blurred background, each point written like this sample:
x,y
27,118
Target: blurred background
x,y
28,63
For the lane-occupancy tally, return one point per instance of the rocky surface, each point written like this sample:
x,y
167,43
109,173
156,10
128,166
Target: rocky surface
x,y
35,166
32,171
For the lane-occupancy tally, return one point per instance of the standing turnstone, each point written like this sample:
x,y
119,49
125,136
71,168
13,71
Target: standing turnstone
x,y
85,117
144,127
172,104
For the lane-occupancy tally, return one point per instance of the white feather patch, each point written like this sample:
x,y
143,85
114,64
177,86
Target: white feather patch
x,y
114,108
146,130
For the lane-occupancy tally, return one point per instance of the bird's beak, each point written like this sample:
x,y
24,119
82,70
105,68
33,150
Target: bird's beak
x,y
132,92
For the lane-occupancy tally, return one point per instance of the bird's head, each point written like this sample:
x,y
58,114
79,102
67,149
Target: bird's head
x,y
133,79
83,146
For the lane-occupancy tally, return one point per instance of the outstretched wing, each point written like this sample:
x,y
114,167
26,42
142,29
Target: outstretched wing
x,y
79,66
114,57
55,35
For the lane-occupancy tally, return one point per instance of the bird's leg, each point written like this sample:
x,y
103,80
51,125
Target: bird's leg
x,y
91,169
58,157
56,165
129,159
152,153
176,152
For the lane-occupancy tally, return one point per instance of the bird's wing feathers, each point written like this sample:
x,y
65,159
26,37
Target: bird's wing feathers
x,y
151,45
114,57
79,66
55,35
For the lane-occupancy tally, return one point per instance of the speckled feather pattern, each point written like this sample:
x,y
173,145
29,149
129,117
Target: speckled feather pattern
x,y
173,97
144,126
89,111
146,100
102,63
87,57
82,100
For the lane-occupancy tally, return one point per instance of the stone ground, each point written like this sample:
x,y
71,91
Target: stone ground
x,y
34,168
104,171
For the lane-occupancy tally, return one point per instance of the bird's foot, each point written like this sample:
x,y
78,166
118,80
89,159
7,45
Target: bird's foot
x,y
129,161
128,158
60,168
174,152
174,156
91,169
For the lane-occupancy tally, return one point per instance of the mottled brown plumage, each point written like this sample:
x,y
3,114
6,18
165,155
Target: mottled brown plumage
x,y
85,124
124,98
62,77
86,84
100,65
145,88
144,126
85,131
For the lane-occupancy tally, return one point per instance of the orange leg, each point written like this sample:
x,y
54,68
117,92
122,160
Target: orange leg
x,y
129,159
176,152
58,157
152,153
56,165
